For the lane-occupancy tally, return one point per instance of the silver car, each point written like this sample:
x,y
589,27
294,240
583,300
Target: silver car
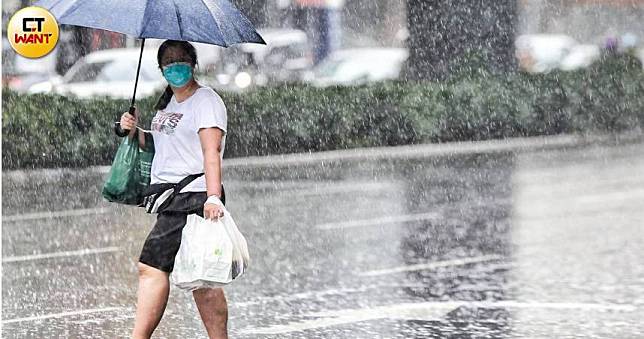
x,y
108,73
358,66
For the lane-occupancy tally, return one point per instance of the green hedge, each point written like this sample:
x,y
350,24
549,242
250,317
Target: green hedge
x,y
53,131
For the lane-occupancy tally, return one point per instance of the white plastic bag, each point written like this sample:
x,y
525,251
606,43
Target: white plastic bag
x,y
241,257
211,254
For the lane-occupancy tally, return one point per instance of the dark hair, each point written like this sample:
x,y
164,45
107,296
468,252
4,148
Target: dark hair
x,y
164,99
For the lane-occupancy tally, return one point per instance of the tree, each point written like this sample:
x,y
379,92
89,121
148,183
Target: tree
x,y
451,36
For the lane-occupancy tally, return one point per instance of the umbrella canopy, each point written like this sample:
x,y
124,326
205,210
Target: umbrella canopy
x,y
215,22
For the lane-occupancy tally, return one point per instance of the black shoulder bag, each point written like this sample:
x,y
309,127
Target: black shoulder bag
x,y
158,196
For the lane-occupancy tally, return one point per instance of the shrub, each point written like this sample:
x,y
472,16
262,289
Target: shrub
x,y
54,131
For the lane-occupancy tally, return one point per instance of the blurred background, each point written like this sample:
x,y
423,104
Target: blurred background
x,y
348,42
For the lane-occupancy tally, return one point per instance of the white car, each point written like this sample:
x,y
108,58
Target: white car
x,y
359,66
108,73
539,53
580,56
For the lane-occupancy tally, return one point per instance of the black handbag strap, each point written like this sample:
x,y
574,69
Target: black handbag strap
x,y
185,181
177,189
159,188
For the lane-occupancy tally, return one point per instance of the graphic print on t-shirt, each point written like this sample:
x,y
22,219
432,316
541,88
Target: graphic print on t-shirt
x,y
166,122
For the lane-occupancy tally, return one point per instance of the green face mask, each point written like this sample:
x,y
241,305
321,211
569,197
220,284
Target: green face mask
x,y
177,74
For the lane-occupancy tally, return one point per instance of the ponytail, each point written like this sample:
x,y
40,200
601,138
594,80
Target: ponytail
x,y
164,99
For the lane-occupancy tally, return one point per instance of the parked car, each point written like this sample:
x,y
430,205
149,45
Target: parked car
x,y
358,66
540,53
19,73
580,56
108,73
283,59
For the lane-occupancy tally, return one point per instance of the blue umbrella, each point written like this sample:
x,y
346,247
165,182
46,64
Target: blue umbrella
x,y
215,22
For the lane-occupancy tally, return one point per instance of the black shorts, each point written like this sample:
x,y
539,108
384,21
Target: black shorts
x,y
162,244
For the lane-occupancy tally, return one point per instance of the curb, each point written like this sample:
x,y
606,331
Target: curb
x,y
528,144
520,144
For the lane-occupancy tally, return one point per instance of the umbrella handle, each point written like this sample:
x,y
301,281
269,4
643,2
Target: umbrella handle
x,y
132,110
131,134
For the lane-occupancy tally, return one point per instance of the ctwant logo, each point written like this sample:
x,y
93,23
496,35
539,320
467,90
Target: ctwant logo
x,y
32,32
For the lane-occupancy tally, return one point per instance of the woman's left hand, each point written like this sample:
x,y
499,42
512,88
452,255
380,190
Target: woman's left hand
x,y
212,211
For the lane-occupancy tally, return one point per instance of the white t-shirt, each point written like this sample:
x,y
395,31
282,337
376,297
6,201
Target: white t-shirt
x,y
176,140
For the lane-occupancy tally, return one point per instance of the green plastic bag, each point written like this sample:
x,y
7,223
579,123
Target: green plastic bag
x,y
130,173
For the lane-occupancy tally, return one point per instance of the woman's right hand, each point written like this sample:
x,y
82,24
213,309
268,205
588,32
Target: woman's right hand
x,y
129,121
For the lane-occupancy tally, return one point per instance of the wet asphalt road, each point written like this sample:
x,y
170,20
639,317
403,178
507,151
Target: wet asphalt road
x,y
544,244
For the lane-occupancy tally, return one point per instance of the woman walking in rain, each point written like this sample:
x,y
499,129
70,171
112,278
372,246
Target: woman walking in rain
x,y
189,133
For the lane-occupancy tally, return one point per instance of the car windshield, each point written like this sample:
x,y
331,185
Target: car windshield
x,y
109,71
234,59
87,72
278,55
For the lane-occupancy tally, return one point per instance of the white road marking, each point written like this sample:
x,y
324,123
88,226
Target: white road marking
x,y
340,317
55,214
99,320
419,311
63,314
431,265
297,296
341,187
60,254
378,221
551,305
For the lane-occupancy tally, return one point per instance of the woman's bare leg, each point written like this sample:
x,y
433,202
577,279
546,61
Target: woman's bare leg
x,y
152,297
213,309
